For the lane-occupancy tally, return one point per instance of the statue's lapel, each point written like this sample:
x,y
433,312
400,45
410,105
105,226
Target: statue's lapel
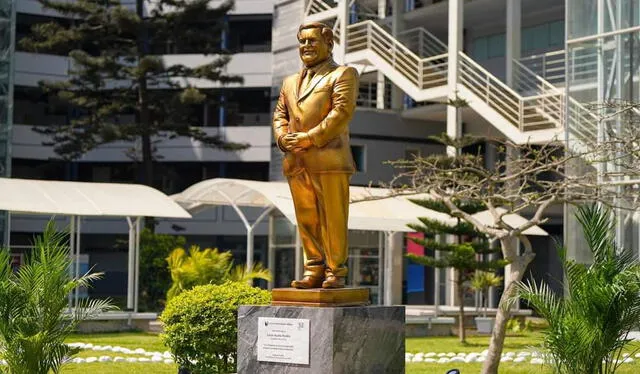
x,y
321,73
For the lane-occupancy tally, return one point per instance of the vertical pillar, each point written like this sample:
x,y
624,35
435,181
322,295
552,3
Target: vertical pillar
x,y
454,118
393,268
343,19
514,30
380,91
397,25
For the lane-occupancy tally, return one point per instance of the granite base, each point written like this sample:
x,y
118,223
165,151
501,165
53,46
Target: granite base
x,y
343,340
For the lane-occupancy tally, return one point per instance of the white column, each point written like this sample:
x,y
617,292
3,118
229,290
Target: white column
x,y
514,29
131,264
393,268
454,118
397,25
343,19
77,259
136,285
380,92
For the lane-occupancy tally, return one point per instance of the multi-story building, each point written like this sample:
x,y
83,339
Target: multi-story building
x,y
243,116
505,58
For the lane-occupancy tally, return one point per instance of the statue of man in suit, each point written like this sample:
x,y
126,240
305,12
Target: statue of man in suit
x,y
311,127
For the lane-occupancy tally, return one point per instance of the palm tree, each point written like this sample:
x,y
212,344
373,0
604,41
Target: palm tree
x,y
34,314
589,327
208,266
481,282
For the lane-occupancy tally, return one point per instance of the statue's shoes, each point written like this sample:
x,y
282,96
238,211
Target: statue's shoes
x,y
307,281
333,282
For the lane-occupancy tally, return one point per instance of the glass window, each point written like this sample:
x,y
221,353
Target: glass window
x,y
496,46
527,39
556,33
480,49
541,36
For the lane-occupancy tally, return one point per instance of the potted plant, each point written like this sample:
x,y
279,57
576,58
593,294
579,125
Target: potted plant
x,y
481,282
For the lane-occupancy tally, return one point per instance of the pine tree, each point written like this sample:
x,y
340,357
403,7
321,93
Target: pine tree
x,y
120,83
462,255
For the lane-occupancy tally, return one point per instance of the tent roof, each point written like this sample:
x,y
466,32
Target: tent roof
x,y
86,199
370,209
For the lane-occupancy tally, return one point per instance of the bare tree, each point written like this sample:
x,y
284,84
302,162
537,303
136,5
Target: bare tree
x,y
528,179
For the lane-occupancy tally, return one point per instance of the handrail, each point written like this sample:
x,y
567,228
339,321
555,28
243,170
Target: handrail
x,y
495,80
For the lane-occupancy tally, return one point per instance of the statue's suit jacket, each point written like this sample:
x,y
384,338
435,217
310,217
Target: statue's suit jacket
x,y
323,110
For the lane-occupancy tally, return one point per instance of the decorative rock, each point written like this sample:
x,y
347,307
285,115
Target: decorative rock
x,y
429,359
89,360
78,360
451,354
510,354
627,360
168,361
417,359
443,360
430,354
456,359
520,359
524,354
156,359
506,358
118,359
104,358
144,359
139,351
167,354
441,354
537,361
481,358
132,359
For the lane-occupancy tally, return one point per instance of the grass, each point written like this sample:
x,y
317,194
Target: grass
x,y
151,342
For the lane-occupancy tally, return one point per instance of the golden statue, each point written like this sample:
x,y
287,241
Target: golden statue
x,y
311,127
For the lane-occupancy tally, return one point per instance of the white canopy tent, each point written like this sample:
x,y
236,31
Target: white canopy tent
x,y
81,199
371,209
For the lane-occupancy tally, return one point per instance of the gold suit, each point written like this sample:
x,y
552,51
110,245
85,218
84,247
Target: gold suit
x,y
319,176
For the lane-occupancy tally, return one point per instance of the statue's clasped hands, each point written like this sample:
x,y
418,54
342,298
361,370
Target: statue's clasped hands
x,y
296,142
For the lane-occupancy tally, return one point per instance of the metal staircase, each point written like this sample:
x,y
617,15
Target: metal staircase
x,y
417,62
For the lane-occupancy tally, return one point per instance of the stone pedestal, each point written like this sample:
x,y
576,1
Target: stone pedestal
x,y
343,340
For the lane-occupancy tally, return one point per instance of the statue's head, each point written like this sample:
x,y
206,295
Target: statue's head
x,y
316,43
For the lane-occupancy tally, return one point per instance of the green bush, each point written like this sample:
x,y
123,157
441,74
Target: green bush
x,y
200,325
155,279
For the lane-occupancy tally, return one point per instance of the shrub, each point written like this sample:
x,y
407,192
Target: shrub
x,y
34,317
201,325
589,327
155,279
208,266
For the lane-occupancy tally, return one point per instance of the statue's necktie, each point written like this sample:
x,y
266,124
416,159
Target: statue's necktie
x,y
307,80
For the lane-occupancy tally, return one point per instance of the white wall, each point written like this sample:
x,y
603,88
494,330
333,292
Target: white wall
x,y
241,7
27,144
255,68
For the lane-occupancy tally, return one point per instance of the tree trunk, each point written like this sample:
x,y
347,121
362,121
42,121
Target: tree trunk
x,y
461,332
144,118
517,265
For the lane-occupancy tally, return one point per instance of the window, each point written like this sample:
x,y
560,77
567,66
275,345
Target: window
x,y
359,157
543,36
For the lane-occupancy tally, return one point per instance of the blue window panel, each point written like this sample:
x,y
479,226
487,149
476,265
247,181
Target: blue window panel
x,y
527,40
556,34
479,49
415,278
541,36
358,153
496,45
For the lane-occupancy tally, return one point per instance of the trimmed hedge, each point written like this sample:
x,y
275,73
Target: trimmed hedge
x,y
201,325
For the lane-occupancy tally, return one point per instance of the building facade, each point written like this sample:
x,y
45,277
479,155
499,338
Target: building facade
x,y
602,67
505,58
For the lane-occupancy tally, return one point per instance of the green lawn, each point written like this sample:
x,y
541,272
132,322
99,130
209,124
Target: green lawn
x,y
151,342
